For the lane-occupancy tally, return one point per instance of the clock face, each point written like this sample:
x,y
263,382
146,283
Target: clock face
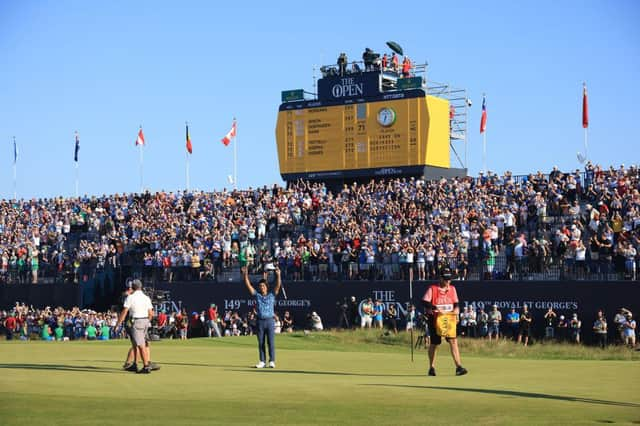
x,y
386,117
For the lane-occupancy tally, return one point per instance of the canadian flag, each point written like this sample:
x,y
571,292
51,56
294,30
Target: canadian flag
x,y
140,140
232,134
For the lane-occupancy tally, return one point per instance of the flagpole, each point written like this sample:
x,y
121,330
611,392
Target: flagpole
x,y
586,146
140,147
484,151
77,185
585,120
413,322
187,154
75,158
235,158
15,170
141,169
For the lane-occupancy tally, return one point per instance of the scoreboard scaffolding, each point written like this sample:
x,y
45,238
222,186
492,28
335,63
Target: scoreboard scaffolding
x,y
368,124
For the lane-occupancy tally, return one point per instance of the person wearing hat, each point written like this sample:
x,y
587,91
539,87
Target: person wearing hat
x,y
139,306
629,330
439,299
265,302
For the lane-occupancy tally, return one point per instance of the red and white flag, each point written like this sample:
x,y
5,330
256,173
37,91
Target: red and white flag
x,y
140,140
229,136
483,118
585,107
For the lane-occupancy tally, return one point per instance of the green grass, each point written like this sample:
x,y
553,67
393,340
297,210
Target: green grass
x,y
328,378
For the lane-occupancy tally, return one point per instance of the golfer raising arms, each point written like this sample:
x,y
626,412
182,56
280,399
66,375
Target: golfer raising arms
x,y
265,302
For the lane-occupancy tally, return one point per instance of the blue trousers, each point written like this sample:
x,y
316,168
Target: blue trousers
x,y
266,328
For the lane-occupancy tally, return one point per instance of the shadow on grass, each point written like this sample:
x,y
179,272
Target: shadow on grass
x,y
60,367
180,364
519,394
322,373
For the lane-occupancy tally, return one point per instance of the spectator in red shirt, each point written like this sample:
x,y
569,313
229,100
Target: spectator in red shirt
x,y
212,321
10,326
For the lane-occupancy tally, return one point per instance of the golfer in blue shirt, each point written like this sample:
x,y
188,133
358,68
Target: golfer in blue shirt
x,y
265,302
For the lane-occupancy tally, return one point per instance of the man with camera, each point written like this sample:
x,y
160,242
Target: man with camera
x,y
441,302
265,302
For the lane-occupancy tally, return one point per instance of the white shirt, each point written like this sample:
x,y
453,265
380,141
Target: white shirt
x,y
138,304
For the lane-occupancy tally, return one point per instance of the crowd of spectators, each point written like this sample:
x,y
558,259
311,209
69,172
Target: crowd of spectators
x,y
517,324
553,226
26,323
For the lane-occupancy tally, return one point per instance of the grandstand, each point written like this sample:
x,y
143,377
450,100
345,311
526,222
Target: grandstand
x,y
490,227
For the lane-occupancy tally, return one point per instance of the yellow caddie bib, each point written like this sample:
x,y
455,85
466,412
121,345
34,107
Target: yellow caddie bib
x,y
446,324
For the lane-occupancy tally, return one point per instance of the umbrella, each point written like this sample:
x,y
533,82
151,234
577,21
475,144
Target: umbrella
x,y
395,47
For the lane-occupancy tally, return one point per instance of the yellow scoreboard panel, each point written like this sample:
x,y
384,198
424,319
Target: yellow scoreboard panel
x,y
385,133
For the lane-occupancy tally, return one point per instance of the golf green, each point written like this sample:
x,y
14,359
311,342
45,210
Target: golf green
x,y
211,381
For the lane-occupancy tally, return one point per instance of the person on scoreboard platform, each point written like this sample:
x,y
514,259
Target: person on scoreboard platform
x,y
342,64
441,302
394,62
385,62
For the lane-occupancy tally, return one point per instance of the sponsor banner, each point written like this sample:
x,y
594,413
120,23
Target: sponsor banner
x,y
326,298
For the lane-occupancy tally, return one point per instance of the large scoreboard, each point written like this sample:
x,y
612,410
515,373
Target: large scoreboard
x,y
384,134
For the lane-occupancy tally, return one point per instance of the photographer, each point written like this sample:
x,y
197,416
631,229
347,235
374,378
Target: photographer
x,y
342,307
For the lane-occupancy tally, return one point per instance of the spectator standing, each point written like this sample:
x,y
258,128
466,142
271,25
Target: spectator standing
x,y
366,313
550,319
629,330
513,322
483,323
10,325
212,321
391,315
600,329
562,328
574,326
378,310
525,325
495,318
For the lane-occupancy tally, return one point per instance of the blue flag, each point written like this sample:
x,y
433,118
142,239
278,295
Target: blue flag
x,y
15,151
75,153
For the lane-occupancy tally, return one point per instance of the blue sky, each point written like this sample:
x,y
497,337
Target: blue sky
x,y
106,68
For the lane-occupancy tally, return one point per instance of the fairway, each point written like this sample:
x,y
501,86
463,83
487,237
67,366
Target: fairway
x,y
207,381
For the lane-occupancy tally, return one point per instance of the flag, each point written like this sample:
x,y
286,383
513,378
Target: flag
x,y
585,107
232,134
77,148
189,146
15,152
483,119
140,140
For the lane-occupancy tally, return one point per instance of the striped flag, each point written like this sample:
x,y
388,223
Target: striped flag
x,y
585,107
140,139
189,146
232,134
483,119
77,148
